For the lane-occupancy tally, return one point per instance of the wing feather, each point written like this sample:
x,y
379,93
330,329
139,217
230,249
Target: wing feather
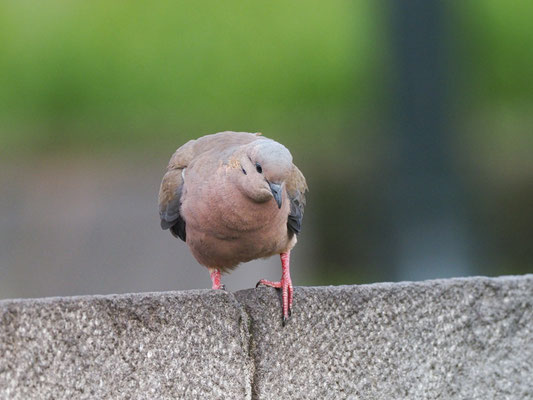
x,y
296,189
170,203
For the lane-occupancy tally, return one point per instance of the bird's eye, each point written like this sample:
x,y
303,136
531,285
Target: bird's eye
x,y
243,171
258,168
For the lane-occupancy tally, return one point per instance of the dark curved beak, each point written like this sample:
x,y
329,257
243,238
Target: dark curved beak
x,y
276,192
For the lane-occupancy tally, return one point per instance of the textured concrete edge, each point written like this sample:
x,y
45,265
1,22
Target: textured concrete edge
x,y
218,306
246,319
112,296
239,297
235,295
247,296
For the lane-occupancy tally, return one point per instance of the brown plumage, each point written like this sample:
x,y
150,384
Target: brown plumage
x,y
234,197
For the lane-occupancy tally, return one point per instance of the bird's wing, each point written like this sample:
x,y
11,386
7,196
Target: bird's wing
x,y
172,187
170,202
172,184
296,188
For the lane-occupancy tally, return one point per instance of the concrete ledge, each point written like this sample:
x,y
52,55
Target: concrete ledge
x,y
150,346
457,338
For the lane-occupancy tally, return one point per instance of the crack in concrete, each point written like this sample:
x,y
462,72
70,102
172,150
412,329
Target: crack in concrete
x,y
245,324
250,351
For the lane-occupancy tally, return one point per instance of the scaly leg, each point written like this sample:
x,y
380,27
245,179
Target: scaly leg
x,y
285,285
215,278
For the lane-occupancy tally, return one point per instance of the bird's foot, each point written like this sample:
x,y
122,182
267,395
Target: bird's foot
x,y
286,295
215,278
264,282
285,285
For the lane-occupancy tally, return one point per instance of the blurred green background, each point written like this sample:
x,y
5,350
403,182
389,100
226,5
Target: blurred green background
x,y
95,97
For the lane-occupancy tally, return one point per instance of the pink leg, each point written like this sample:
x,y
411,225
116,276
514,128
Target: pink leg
x,y
215,278
285,285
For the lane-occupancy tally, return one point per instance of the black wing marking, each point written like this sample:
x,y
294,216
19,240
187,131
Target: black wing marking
x,y
178,229
296,188
294,222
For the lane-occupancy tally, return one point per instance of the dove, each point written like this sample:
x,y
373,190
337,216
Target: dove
x,y
233,197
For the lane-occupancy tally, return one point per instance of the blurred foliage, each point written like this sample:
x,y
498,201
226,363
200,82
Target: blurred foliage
x,y
132,74
122,73
497,38
126,73
493,42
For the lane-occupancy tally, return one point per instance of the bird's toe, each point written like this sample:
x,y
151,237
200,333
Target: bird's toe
x,y
264,282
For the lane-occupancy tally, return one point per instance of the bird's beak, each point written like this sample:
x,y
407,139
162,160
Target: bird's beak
x,y
276,192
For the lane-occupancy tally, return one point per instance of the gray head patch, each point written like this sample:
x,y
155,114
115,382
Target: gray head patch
x,y
274,158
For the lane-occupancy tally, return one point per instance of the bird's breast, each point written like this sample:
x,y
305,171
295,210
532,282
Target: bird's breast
x,y
228,213
225,228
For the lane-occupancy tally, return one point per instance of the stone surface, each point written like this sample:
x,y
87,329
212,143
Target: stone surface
x,y
453,339
177,345
446,339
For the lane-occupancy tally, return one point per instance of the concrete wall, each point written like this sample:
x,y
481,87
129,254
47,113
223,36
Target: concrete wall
x,y
459,338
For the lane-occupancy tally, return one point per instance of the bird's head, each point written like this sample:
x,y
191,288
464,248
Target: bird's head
x,y
264,165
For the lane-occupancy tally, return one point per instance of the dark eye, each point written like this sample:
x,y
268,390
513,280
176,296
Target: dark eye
x,y
243,171
258,168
